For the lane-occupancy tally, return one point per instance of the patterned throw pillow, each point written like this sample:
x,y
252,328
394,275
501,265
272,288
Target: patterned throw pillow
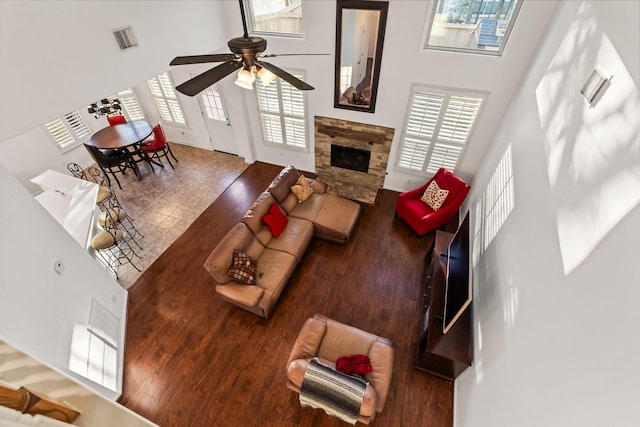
x,y
243,269
434,196
301,189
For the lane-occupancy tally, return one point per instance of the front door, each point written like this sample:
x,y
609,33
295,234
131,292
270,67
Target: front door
x,y
214,111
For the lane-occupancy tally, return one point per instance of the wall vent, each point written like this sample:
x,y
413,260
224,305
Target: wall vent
x,y
125,37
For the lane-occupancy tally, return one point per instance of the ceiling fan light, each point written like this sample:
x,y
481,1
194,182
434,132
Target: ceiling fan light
x,y
266,76
245,79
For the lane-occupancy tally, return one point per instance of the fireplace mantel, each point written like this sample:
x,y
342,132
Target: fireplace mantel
x,y
337,132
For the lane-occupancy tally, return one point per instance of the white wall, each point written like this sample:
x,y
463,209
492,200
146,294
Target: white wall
x,y
403,64
94,67
57,57
556,290
38,307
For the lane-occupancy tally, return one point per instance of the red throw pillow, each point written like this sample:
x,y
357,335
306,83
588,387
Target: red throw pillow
x,y
276,220
354,364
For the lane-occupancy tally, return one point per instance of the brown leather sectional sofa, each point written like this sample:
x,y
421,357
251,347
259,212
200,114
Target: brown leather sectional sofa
x,y
322,215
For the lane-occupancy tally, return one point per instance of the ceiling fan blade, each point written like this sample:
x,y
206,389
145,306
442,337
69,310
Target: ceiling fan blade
x,y
273,55
293,81
202,81
199,59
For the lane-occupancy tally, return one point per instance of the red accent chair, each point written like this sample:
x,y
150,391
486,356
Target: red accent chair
x,y
116,120
156,146
420,216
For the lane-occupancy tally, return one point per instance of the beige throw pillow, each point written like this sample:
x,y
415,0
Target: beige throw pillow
x,y
301,189
434,196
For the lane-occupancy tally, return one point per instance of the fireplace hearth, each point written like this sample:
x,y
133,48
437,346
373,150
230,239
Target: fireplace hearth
x,y
350,158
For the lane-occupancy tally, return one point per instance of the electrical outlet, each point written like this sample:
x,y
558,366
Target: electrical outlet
x,y
58,267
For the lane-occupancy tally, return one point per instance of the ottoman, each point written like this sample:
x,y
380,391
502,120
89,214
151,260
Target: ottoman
x,y
336,219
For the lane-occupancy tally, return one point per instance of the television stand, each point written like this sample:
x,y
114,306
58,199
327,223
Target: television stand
x,y
443,355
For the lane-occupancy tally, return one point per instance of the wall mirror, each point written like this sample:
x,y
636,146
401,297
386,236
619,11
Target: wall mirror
x,y
360,26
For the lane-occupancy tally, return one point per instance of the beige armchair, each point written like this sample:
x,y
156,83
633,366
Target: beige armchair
x,y
328,340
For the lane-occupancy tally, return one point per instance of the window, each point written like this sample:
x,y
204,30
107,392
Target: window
x,y
213,104
68,131
161,88
437,129
282,113
474,26
279,17
131,105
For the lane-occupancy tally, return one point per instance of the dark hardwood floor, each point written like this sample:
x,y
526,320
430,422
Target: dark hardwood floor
x,y
193,359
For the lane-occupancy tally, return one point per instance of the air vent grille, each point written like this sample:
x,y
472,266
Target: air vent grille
x,y
126,38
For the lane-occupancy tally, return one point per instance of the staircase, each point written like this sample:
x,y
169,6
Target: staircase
x,y
487,35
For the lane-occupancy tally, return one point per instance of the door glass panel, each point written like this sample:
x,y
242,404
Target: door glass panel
x,y
213,104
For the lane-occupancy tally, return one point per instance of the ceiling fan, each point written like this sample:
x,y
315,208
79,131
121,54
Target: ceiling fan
x,y
247,56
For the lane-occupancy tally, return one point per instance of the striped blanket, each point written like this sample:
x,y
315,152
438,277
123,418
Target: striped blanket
x,y
338,394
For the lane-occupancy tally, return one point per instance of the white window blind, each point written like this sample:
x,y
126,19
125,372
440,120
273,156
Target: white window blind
x,y
166,100
131,105
282,113
69,130
438,127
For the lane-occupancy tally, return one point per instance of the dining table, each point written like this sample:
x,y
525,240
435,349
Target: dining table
x,y
122,135
126,136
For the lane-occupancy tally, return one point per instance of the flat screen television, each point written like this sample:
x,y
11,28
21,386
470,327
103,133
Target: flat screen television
x,y
458,291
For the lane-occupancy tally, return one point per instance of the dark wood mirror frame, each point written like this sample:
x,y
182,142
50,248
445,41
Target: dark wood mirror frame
x,y
355,97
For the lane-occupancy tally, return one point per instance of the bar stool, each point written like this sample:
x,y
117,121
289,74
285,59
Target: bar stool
x,y
113,249
115,218
104,192
113,214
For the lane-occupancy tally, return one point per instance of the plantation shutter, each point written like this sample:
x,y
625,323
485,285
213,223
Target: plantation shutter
x,y
282,113
294,115
131,105
60,133
165,98
69,130
437,130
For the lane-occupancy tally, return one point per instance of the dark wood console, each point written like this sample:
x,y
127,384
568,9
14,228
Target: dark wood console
x,y
442,355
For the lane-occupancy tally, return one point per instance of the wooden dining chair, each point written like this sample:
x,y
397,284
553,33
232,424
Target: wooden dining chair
x,y
116,120
108,160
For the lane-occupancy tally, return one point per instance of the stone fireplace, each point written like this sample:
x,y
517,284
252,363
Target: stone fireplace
x,y
352,157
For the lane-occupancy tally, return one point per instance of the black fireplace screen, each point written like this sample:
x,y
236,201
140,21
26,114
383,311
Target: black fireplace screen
x,y
350,158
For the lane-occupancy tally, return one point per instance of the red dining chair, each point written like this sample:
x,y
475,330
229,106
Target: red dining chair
x,y
157,146
116,120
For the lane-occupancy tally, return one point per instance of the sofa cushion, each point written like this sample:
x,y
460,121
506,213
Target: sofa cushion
x,y
336,219
243,268
301,189
275,219
341,339
434,196
274,268
253,217
280,187
219,260
295,238
309,209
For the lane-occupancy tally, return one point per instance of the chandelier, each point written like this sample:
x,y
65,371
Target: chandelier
x,y
106,107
